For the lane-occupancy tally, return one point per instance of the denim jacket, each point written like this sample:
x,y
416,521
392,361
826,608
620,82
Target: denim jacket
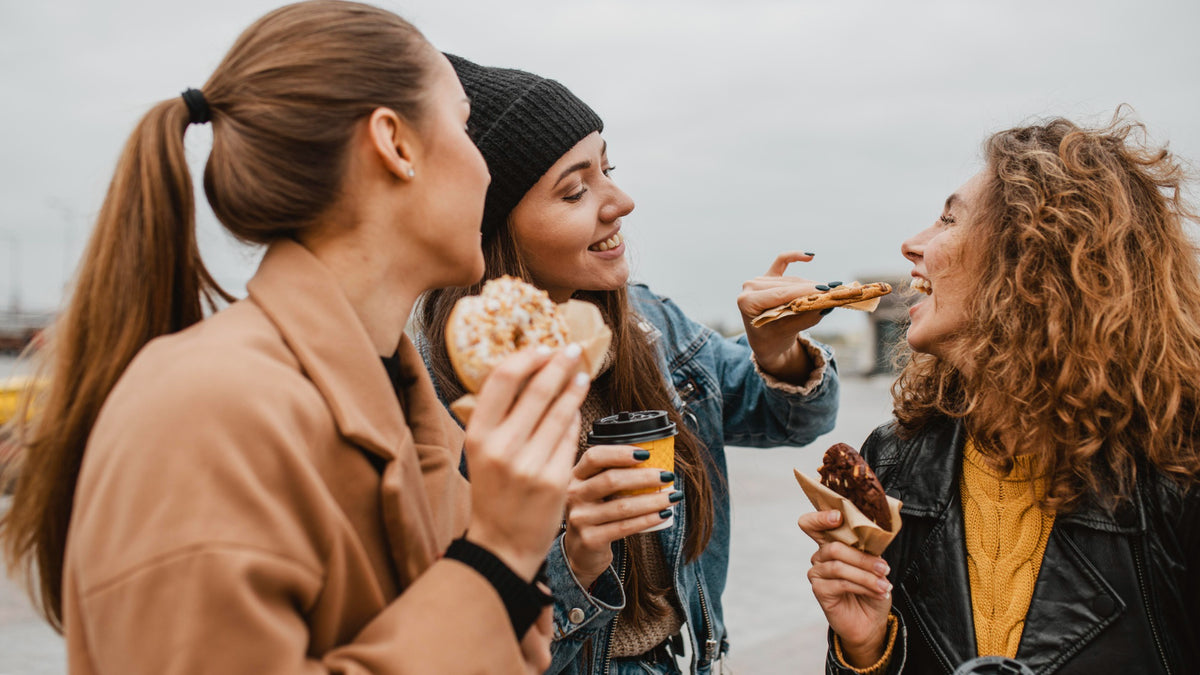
x,y
716,386
721,393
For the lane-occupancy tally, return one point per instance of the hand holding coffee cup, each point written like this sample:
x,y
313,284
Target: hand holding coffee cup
x,y
622,485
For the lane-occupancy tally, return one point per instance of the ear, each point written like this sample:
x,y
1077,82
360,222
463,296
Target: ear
x,y
394,140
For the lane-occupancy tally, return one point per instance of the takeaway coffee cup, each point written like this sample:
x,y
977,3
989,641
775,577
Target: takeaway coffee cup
x,y
650,430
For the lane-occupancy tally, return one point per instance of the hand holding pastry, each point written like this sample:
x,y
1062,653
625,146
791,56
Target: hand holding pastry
x,y
775,346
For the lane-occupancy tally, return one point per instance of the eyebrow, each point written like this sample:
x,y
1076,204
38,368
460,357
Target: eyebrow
x,y
579,166
951,200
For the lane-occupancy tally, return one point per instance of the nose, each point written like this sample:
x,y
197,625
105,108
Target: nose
x,y
913,248
616,205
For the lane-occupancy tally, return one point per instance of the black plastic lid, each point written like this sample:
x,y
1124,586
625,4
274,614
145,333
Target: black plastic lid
x,y
993,665
631,427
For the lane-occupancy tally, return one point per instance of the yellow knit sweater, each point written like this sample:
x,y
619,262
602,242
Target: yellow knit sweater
x,y
1006,537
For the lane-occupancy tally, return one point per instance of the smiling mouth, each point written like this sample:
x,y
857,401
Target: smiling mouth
x,y
922,285
610,243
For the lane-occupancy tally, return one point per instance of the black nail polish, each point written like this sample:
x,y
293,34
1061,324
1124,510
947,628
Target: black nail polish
x,y
641,455
834,284
664,514
677,496
809,253
822,287
667,477
826,311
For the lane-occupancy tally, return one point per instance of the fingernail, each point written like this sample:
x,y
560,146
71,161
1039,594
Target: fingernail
x,y
884,585
543,350
834,284
826,311
664,514
676,496
573,350
833,517
667,477
822,287
809,253
581,379
881,568
641,455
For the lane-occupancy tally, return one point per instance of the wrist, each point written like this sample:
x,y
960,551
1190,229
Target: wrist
x,y
523,565
865,653
587,566
789,363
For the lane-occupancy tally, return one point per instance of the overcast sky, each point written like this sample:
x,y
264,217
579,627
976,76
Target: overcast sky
x,y
740,128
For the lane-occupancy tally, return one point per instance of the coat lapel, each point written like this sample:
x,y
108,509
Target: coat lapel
x,y
1071,605
932,584
304,301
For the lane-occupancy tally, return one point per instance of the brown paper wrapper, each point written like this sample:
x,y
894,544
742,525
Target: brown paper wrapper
x,y
856,529
585,326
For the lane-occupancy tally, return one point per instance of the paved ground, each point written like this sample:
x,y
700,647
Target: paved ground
x,y
775,625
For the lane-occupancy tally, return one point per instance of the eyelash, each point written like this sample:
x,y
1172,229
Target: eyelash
x,y
947,219
579,195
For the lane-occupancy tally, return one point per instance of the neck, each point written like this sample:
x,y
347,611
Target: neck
x,y
381,298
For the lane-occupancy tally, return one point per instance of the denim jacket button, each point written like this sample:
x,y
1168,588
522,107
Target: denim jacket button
x,y
575,615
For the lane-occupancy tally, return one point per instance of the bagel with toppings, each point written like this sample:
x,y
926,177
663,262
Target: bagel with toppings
x,y
509,315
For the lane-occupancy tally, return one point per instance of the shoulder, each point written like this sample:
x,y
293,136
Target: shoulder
x,y
232,371
680,333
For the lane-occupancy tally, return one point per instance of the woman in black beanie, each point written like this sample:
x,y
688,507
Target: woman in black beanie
x,y
553,216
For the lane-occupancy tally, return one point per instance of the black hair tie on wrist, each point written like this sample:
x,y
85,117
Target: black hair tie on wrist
x,y
198,110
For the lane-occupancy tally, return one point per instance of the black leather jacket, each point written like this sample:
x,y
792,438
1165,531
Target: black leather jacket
x,y
1117,592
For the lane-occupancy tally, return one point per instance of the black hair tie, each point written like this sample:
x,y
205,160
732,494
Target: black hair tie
x,y
198,110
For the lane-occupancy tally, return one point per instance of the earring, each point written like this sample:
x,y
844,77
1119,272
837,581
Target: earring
x,y
411,172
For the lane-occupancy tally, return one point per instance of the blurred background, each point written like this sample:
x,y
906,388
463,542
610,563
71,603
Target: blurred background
x,y
740,129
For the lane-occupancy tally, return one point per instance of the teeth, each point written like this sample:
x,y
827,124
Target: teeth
x,y
922,285
610,243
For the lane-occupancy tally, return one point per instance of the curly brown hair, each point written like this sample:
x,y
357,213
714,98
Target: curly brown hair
x,y
1083,342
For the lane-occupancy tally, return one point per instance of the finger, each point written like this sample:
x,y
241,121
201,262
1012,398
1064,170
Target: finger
x,y
602,535
562,456
608,483
597,458
555,438
786,258
837,551
837,569
542,391
593,514
833,589
815,524
773,297
500,389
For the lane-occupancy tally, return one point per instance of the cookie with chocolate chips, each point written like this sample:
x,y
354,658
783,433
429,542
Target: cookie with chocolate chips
x,y
846,472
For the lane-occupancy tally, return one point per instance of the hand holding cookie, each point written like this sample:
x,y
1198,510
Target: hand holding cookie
x,y
775,346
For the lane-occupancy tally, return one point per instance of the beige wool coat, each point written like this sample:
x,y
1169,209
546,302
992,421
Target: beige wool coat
x,y
254,500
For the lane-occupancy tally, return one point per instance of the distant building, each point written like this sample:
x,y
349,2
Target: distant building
x,y
889,322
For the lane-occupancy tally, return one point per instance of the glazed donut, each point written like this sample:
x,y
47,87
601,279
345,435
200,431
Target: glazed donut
x,y
507,315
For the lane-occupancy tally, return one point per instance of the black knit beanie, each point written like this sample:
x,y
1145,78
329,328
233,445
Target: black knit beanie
x,y
523,124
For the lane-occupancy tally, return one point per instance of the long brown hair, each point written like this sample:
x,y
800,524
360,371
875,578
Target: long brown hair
x,y
634,382
285,102
1084,339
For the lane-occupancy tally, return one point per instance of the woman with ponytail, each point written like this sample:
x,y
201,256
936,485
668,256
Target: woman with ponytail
x,y
274,489
624,598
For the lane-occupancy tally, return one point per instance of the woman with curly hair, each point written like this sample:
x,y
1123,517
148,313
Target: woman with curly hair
x,y
1047,424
